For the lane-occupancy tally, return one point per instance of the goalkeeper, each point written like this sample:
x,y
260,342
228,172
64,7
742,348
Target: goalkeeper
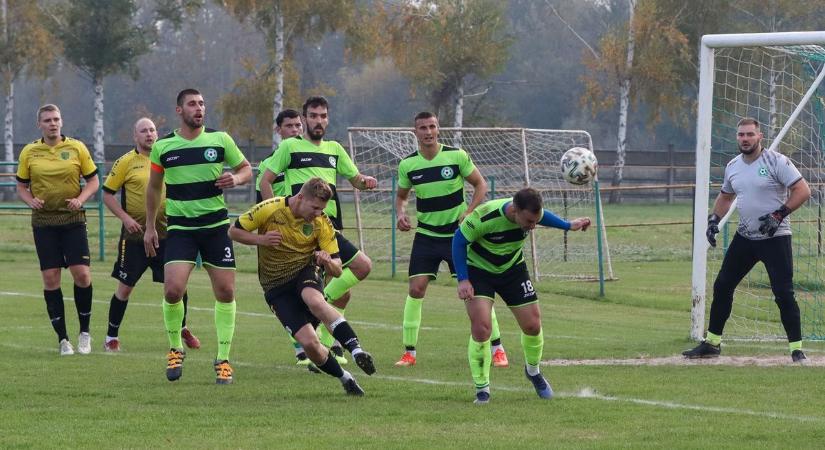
x,y
490,242
761,179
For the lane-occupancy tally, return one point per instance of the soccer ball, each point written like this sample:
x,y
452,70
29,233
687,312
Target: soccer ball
x,y
579,165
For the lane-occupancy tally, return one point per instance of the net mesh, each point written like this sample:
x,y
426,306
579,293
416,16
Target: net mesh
x,y
768,83
509,159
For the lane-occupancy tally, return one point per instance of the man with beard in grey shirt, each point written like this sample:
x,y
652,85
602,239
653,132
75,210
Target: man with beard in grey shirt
x,y
768,187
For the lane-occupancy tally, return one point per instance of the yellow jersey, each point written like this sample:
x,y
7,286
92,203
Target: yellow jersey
x,y
53,175
130,175
278,265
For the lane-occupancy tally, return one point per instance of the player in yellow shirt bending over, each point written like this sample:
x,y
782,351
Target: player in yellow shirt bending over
x,y
295,241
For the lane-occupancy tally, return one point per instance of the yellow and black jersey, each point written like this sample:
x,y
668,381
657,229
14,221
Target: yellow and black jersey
x,y
300,239
130,175
53,175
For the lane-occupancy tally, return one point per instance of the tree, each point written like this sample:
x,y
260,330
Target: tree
x,y
443,45
101,38
280,21
643,61
26,47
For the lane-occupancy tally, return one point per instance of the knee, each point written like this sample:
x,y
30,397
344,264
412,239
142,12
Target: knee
x,y
361,266
83,279
173,292
222,293
723,286
417,291
342,301
532,328
123,291
481,331
51,279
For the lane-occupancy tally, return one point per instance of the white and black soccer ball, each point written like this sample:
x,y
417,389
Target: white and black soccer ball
x,y
579,166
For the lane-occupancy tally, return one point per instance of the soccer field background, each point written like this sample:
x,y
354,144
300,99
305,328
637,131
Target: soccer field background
x,y
613,363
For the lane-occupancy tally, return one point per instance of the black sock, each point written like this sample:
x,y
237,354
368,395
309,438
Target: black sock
x,y
345,335
495,342
54,307
409,348
83,303
185,308
117,308
331,367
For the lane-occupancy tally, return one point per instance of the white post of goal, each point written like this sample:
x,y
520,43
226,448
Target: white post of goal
x,y
703,144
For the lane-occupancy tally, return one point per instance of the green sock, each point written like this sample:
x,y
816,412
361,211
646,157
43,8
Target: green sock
x,y
533,347
225,325
338,286
478,354
324,335
412,321
295,343
172,317
495,333
795,345
713,339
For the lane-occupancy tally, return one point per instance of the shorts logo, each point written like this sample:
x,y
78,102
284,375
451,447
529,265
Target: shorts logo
x,y
447,173
64,155
763,172
307,229
210,154
332,161
122,275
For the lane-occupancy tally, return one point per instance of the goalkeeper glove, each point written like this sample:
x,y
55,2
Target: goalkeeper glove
x,y
713,229
770,222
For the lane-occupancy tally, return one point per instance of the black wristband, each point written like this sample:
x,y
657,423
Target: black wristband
x,y
713,218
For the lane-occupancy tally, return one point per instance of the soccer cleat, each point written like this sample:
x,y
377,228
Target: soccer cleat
x,y
84,343
351,388
190,339
364,361
798,357
66,348
112,346
482,398
174,364
338,352
407,359
541,385
500,359
223,372
704,350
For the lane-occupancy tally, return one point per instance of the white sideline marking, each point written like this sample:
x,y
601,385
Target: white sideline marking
x,y
584,393
735,361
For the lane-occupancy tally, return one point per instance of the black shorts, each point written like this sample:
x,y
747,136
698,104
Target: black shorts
x,y
346,249
61,246
427,254
513,286
286,302
213,244
132,262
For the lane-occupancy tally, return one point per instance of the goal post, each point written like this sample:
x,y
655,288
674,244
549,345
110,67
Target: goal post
x,y
776,78
509,159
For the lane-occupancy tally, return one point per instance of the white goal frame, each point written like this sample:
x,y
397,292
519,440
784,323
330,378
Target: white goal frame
x,y
703,145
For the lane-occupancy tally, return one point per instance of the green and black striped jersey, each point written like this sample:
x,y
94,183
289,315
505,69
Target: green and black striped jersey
x,y
190,169
439,188
496,243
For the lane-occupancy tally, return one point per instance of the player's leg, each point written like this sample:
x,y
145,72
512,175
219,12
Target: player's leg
x,y
117,310
47,245
499,355
777,255
75,245
425,257
738,261
156,264
478,348
313,298
357,266
179,261
128,268
219,260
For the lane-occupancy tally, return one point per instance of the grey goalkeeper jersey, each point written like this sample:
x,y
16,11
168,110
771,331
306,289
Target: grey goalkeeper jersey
x,y
761,187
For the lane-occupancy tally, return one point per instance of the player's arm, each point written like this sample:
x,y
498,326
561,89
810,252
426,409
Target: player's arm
x,y
129,223
548,219
401,197
241,174
331,263
800,193
153,192
267,179
26,195
363,182
245,227
480,190
92,185
460,243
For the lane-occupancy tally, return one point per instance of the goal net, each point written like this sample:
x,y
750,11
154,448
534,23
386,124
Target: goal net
x,y
509,159
775,78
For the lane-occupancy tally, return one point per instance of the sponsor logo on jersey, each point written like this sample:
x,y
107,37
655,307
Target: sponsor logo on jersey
x,y
172,158
306,159
447,173
417,177
210,154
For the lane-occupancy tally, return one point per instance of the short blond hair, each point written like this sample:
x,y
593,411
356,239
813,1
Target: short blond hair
x,y
46,107
317,188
